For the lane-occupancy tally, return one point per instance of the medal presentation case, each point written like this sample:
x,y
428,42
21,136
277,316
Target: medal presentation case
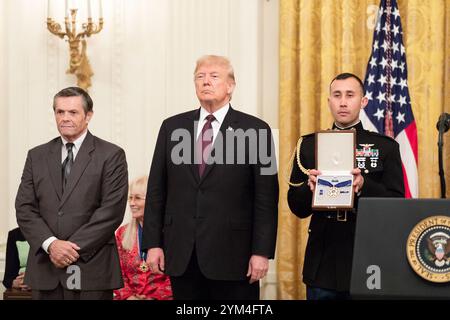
x,y
335,159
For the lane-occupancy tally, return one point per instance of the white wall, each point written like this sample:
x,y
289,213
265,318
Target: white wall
x,y
4,205
143,62
4,187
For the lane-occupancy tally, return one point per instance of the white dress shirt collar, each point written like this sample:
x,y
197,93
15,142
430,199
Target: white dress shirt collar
x,y
76,146
219,114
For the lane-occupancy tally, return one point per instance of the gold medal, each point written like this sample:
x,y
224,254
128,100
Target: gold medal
x,y
333,192
143,267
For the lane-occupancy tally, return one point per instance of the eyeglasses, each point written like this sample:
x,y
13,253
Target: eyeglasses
x,y
136,197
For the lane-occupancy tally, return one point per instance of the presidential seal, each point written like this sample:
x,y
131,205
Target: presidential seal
x,y
428,249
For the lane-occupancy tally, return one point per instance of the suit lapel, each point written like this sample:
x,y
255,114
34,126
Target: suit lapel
x,y
230,121
55,166
192,125
81,161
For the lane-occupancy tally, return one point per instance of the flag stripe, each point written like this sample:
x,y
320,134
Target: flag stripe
x,y
411,133
405,178
410,167
389,108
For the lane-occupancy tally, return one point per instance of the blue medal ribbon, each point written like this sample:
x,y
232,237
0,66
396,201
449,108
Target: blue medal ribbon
x,y
341,184
142,254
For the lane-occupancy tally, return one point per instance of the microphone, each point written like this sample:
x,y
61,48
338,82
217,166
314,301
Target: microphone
x,y
444,121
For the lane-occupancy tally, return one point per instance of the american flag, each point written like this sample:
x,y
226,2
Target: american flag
x,y
389,109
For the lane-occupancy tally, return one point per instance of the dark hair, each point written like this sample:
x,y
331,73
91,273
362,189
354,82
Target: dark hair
x,y
75,92
347,75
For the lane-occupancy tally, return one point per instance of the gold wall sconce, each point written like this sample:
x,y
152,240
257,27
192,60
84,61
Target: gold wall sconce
x,y
79,63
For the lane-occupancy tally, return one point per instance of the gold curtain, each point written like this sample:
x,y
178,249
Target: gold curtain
x,y
318,40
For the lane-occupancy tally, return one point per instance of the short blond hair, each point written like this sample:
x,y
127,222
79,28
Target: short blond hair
x,y
216,60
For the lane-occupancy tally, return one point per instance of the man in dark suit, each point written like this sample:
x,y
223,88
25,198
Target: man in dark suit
x,y
211,209
329,252
70,201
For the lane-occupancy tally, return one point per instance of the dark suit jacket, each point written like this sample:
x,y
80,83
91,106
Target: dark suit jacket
x,y
87,213
329,252
12,262
228,215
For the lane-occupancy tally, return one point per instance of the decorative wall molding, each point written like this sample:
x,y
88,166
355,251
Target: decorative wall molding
x,y
117,106
143,62
4,173
52,76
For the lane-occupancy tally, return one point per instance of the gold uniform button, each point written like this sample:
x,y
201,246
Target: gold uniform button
x,y
366,171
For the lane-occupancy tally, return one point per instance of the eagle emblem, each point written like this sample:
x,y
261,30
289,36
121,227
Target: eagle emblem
x,y
428,249
439,247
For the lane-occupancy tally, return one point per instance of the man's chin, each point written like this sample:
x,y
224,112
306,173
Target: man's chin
x,y
206,98
67,135
207,102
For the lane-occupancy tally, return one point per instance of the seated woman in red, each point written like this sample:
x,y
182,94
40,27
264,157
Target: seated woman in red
x,y
139,282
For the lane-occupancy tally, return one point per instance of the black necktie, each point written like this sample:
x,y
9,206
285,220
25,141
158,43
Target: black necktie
x,y
67,164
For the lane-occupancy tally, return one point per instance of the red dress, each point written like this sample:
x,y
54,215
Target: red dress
x,y
137,282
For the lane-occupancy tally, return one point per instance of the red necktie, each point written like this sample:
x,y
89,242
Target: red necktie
x,y
204,143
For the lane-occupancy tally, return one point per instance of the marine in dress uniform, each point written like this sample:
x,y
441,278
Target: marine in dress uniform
x,y
328,257
329,251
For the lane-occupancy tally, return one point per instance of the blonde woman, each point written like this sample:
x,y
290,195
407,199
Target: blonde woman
x,y
139,282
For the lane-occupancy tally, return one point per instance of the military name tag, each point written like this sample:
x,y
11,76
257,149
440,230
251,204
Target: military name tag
x,y
335,159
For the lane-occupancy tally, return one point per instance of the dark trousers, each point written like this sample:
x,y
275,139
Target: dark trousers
x,y
314,293
61,293
193,285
